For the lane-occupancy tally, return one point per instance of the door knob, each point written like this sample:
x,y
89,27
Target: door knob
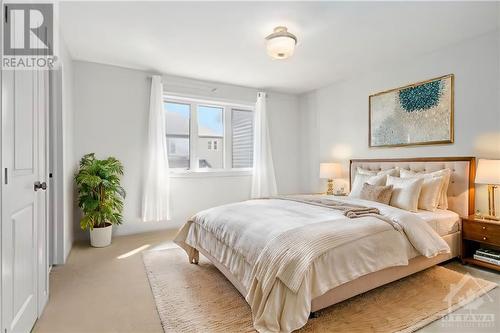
x,y
40,186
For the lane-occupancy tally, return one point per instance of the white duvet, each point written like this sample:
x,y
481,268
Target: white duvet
x,y
246,238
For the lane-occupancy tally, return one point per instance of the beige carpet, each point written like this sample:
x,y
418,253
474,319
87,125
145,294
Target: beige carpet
x,y
198,298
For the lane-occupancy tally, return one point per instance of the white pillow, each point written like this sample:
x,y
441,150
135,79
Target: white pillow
x,y
430,193
406,192
391,172
360,179
445,173
429,196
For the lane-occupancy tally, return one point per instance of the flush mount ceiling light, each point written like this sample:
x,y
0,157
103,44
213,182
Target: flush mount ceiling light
x,y
281,43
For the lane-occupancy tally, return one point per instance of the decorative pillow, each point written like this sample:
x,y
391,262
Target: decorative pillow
x,y
392,172
357,185
429,195
445,173
376,193
406,192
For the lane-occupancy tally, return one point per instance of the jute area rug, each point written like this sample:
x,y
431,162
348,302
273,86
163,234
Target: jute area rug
x,y
198,298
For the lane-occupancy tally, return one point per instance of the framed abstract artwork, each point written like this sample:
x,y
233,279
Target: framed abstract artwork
x,y
416,114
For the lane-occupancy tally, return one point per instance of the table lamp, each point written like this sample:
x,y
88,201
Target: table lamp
x,y
488,172
329,171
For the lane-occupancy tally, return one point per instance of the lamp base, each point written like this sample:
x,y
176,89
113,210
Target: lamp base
x,y
329,191
491,204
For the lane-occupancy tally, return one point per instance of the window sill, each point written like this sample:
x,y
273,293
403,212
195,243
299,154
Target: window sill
x,y
209,173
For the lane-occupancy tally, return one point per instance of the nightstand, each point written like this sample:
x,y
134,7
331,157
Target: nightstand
x,y
478,232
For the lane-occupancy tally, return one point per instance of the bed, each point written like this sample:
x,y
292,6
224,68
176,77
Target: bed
x,y
367,255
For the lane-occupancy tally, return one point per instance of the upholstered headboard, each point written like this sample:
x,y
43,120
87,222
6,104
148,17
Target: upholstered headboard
x,y
460,190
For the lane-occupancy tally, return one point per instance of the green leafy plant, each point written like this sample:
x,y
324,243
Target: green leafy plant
x,y
100,195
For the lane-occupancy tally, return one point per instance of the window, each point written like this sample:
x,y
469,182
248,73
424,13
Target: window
x,y
211,130
208,135
177,128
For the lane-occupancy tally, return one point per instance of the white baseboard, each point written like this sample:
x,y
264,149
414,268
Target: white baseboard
x,y
129,228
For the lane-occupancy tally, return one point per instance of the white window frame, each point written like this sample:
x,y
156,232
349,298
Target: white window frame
x,y
194,170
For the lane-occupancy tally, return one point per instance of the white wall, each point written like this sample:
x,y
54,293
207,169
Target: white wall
x,y
111,112
69,164
336,117
62,156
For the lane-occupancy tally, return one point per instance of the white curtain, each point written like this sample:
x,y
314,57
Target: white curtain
x,y
155,200
263,180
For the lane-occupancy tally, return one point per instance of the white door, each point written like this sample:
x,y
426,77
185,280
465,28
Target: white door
x,y
24,215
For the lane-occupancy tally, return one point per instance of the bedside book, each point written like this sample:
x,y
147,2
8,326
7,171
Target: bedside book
x,y
487,259
488,253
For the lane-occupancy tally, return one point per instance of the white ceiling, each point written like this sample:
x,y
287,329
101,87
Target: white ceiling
x,y
224,41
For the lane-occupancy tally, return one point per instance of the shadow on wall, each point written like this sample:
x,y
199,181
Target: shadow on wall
x,y
342,153
488,145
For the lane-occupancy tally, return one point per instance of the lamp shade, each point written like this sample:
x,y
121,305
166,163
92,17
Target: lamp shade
x,y
329,170
488,172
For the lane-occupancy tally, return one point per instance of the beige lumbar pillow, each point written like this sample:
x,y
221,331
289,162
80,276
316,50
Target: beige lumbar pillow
x,y
376,193
445,182
357,185
406,192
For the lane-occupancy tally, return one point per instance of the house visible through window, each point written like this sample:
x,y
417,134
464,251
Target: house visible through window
x,y
177,128
210,129
208,135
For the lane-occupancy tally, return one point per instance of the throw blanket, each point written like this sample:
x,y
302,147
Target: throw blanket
x,y
348,209
289,256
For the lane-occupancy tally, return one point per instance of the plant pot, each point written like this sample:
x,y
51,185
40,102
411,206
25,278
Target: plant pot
x,y
101,237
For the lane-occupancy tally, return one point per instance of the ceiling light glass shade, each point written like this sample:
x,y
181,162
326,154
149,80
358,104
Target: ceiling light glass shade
x,y
281,43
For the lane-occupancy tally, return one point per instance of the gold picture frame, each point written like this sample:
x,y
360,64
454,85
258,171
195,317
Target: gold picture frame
x,y
443,111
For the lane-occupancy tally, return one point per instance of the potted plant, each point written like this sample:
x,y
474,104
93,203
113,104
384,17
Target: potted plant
x,y
100,196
